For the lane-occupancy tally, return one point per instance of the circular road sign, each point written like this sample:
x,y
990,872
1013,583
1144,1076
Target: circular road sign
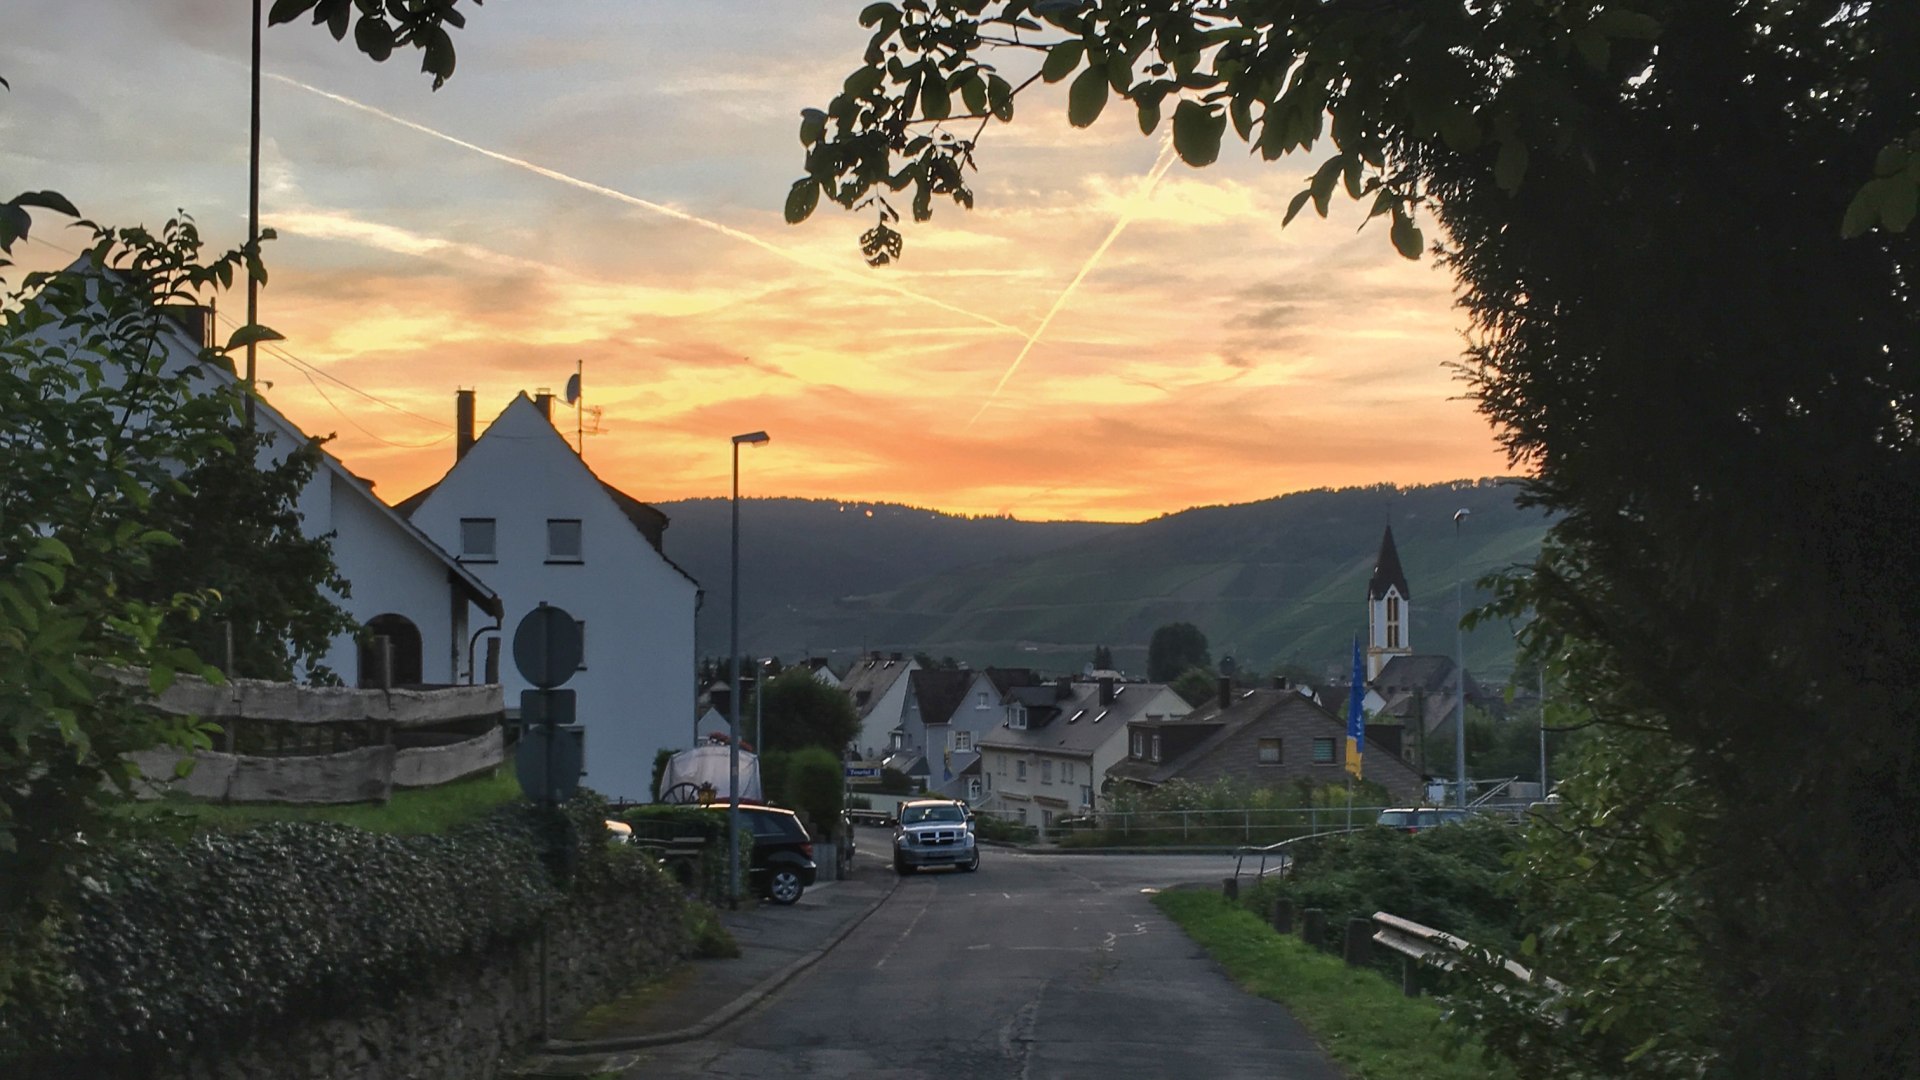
x,y
547,647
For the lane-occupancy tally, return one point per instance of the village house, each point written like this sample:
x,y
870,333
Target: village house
x,y
1270,737
522,511
878,686
1050,756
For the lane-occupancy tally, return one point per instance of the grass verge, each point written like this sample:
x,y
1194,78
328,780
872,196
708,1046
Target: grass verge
x,y
409,812
1359,1018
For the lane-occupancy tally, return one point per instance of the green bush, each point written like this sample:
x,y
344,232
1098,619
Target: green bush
x,y
706,874
172,946
809,781
1000,829
1450,878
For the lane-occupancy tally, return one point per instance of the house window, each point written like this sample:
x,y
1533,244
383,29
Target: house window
x,y
476,539
980,700
1066,772
1086,796
1017,717
1393,621
1323,750
1020,770
1269,751
963,741
1139,745
563,540
1156,746
582,624
1046,771
973,790
1023,815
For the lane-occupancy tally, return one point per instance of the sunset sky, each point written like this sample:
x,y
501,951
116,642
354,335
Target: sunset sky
x,y
628,216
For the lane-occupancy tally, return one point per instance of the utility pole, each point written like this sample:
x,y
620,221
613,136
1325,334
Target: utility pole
x,y
253,217
1459,697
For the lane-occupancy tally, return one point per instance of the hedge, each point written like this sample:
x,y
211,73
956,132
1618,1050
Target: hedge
x,y
173,945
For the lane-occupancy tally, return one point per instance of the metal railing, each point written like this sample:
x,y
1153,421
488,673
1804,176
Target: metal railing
x,y
1420,945
1277,853
1241,825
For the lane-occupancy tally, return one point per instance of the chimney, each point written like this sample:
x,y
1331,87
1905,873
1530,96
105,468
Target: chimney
x,y
895,657
462,423
1226,691
1106,690
1063,688
543,400
1280,683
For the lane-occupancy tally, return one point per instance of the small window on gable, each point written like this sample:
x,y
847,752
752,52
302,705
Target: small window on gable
x,y
1323,750
477,539
1270,752
563,540
980,700
963,741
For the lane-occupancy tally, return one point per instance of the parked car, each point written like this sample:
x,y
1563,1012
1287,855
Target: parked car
x,y
1416,818
934,832
781,866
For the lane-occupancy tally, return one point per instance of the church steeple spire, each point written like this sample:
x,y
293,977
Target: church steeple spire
x,y
1389,613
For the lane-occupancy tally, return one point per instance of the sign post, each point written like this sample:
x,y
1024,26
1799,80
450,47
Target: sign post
x,y
547,650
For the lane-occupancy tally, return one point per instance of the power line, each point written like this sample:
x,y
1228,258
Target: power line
x,y
363,430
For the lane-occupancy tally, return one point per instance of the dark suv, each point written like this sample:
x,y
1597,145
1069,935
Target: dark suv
x,y
781,866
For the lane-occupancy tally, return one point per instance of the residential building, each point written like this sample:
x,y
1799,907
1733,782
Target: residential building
x,y
878,686
923,743
402,586
525,513
1262,738
1051,755
980,711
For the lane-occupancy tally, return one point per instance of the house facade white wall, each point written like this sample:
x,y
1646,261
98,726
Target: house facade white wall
x,y
390,567
635,694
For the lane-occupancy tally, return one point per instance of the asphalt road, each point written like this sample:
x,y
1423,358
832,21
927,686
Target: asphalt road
x,y
1037,966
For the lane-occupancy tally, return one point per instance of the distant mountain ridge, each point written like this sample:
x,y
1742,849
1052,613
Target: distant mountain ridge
x,y
1279,581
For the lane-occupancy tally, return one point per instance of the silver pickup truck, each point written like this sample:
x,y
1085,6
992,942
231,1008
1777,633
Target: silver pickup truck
x,y
934,832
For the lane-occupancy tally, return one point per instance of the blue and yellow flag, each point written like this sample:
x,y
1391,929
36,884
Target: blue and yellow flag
x,y
1356,720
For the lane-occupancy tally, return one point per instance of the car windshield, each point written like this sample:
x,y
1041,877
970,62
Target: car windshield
x,y
919,815
1396,817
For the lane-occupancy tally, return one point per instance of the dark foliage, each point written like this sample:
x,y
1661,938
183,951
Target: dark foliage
x,y
1175,648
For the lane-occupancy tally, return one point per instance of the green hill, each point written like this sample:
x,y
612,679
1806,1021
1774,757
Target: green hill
x,y
1281,581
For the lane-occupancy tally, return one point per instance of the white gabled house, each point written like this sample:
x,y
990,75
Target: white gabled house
x,y
401,584
878,686
526,515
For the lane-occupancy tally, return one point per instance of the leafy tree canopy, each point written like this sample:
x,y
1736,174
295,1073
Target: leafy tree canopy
x,y
799,710
1175,648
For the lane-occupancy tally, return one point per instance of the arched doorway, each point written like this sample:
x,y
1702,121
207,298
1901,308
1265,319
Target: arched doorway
x,y
403,639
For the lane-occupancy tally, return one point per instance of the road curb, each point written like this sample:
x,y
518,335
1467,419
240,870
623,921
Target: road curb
x,y
760,992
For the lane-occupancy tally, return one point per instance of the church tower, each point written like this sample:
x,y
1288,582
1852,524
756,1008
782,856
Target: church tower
x,y
1388,614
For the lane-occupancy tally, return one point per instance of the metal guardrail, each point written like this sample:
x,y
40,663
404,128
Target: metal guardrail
x,y
1425,945
1278,851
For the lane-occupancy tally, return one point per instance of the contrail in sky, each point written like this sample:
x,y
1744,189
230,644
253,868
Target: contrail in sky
x,y
1159,170
667,211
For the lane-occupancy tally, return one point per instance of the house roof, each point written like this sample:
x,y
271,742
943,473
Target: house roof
x,y
458,575
1249,707
1423,672
648,521
1005,679
875,675
938,693
1386,570
1077,723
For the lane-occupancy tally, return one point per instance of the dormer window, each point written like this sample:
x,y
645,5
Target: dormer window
x,y
1156,746
1017,717
1139,745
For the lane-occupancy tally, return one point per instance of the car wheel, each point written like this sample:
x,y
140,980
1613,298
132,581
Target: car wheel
x,y
900,866
974,865
784,885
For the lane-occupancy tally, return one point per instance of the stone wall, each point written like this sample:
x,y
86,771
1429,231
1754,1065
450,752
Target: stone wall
x,y
461,1022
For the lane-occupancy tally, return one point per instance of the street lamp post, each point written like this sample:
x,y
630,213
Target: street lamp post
x,y
752,438
1459,681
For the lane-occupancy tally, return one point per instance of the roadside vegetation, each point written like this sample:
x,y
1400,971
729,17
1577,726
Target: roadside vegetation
x,y
1221,814
1358,1016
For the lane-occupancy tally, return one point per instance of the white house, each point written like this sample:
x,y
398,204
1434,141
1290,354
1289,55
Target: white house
x,y
878,686
980,711
523,512
402,585
1051,755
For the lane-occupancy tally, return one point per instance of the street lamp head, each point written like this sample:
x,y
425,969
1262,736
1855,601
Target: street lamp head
x,y
752,438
